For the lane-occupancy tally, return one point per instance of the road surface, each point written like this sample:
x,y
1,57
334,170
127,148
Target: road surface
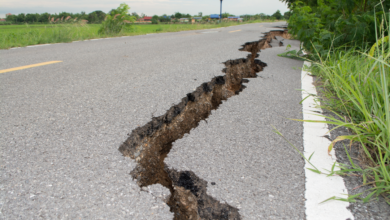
x,y
62,124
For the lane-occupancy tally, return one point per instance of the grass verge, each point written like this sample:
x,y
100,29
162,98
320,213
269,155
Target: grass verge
x,y
356,90
25,35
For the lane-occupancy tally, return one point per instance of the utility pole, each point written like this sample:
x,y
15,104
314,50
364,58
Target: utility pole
x,y
220,16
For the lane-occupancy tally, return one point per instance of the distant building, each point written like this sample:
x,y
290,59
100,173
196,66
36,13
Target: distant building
x,y
183,19
214,16
233,18
144,20
198,18
147,18
8,14
2,20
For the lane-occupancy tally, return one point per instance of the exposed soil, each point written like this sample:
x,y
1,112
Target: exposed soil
x,y
150,144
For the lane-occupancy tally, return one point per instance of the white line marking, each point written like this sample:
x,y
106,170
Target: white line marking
x,y
320,187
39,45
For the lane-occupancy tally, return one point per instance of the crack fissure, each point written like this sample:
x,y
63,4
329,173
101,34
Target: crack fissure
x,y
150,144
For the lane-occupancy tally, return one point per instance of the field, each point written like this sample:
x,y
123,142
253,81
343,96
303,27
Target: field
x,y
24,35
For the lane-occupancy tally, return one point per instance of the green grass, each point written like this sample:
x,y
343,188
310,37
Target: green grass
x,y
24,35
355,87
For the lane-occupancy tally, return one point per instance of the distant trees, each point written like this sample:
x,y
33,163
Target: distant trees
x,y
134,14
287,15
165,18
30,18
155,19
226,15
277,15
179,15
21,17
44,17
96,17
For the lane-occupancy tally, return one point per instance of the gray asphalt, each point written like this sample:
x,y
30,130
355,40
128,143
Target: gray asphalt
x,y
62,124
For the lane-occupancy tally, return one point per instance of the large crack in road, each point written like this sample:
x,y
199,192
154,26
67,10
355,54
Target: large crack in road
x,y
150,144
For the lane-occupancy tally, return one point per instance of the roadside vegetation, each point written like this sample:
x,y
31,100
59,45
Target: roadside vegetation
x,y
66,27
25,35
348,44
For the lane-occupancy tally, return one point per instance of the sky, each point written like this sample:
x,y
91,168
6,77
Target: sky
x,y
148,7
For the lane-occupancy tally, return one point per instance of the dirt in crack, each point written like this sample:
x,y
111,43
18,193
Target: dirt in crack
x,y
150,144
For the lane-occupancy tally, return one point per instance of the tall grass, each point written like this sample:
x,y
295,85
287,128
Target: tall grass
x,y
47,34
356,88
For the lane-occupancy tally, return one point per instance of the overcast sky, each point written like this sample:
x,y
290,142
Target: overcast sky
x,y
148,7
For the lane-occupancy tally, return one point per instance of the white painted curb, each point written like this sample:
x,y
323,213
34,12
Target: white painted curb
x,y
319,187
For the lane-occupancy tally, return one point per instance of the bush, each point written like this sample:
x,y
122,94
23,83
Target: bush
x,y
117,20
321,25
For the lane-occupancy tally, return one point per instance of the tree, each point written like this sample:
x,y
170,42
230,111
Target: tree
x,y
31,18
178,15
11,18
164,18
21,17
277,15
96,17
44,17
83,16
101,15
92,17
155,19
135,15
200,14
287,15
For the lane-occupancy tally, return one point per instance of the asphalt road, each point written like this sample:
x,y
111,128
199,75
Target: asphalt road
x,y
61,126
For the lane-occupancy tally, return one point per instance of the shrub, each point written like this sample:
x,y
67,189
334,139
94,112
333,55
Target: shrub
x,y
117,20
321,25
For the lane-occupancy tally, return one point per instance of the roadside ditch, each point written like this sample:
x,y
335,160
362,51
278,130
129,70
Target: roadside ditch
x,y
150,144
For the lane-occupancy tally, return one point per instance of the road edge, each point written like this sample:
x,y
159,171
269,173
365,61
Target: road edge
x,y
320,187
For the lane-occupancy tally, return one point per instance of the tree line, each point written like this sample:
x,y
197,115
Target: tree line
x,y
97,17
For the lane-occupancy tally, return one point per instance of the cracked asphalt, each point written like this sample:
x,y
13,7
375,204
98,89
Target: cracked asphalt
x,y
62,124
